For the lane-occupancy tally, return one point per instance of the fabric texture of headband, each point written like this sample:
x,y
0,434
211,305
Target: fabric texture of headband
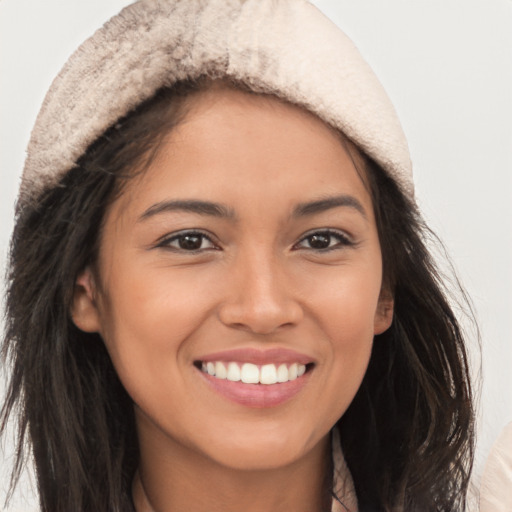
x,y
287,48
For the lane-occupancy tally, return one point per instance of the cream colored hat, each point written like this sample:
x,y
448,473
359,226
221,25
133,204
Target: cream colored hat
x,y
284,47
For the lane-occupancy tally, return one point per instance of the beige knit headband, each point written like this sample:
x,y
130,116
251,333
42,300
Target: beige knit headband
x,y
283,47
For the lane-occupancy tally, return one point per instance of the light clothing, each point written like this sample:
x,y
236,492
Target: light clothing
x,y
343,485
496,485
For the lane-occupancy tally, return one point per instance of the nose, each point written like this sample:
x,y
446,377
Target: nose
x,y
261,297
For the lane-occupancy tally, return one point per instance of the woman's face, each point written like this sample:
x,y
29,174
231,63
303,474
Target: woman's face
x,y
248,250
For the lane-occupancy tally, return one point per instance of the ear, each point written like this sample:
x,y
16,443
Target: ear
x,y
84,308
384,314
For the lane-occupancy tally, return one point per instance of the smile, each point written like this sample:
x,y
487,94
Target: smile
x,y
250,373
256,378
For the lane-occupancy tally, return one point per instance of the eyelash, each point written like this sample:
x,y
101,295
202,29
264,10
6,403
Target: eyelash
x,y
342,241
182,235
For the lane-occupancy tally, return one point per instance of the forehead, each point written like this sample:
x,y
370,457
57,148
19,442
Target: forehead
x,y
231,144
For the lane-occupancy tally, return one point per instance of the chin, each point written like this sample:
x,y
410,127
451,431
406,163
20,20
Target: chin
x,y
261,452
258,459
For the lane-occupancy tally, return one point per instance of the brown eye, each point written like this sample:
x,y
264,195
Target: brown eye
x,y
324,241
188,242
319,241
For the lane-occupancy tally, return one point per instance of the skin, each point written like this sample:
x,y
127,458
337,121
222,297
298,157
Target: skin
x,y
258,283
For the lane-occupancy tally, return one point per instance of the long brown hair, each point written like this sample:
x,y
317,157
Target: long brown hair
x,y
411,425
407,436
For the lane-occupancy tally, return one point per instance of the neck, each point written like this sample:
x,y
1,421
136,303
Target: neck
x,y
193,483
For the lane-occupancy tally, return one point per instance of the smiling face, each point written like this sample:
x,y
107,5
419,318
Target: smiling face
x,y
248,250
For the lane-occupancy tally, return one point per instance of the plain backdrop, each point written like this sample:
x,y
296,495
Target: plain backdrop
x,y
447,65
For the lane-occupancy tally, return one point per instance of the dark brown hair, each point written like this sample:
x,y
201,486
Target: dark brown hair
x,y
411,425
407,436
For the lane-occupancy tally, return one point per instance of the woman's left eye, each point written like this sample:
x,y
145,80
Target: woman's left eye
x,y
324,241
190,241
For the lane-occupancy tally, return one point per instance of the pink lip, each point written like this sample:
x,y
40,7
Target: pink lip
x,y
258,357
256,395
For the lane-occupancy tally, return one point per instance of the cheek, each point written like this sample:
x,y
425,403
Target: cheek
x,y
345,301
157,304
345,309
148,323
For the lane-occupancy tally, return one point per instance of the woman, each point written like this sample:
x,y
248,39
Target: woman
x,y
219,292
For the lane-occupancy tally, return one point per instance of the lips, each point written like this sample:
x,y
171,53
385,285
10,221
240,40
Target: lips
x,y
256,378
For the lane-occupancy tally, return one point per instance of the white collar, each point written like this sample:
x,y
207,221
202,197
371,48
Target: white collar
x,y
343,485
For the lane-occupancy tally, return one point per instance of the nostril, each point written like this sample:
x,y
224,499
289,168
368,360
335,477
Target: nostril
x,y
261,305
260,320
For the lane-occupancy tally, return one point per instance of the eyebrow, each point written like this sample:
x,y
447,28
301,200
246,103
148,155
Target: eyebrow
x,y
328,203
212,209
189,205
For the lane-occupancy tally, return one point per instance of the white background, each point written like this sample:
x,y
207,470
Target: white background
x,y
447,65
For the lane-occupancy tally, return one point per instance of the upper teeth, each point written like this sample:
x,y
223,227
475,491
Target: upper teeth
x,y
252,374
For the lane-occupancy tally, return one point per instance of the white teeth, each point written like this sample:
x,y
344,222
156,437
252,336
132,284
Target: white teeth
x,y
268,374
233,372
220,370
282,373
252,374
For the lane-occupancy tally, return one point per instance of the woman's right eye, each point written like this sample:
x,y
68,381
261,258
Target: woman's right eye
x,y
189,241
